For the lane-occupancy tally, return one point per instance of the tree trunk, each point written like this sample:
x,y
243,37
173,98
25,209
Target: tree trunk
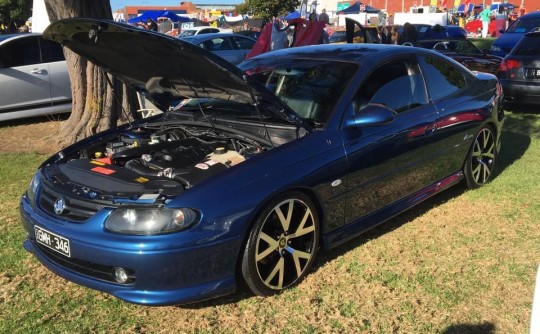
x,y
96,105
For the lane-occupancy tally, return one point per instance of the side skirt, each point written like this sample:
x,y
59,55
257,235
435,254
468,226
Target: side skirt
x,y
352,230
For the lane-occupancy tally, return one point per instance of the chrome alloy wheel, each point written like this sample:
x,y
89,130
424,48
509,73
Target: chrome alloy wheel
x,y
282,244
483,156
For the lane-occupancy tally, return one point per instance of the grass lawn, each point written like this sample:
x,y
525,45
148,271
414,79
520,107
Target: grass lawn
x,y
463,262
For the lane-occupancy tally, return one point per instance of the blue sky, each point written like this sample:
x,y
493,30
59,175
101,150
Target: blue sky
x,y
117,4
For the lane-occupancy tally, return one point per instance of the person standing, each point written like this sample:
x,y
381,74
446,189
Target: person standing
x,y
313,16
324,17
485,16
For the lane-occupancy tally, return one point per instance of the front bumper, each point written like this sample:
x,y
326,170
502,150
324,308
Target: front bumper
x,y
167,269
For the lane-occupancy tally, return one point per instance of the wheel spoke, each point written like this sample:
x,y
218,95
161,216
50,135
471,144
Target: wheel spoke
x,y
476,172
301,230
273,245
297,255
279,269
285,221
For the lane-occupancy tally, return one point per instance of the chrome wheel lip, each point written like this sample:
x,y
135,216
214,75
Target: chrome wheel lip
x,y
483,156
281,259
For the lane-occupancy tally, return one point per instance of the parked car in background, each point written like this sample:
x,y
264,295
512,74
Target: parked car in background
x,y
504,43
259,165
519,73
202,30
34,79
232,47
464,52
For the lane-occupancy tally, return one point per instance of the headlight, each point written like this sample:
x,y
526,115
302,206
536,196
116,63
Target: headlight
x,y
32,188
495,48
149,221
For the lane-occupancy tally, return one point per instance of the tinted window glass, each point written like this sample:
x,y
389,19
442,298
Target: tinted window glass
x,y
528,46
524,25
243,43
442,77
222,44
397,85
310,88
20,52
51,51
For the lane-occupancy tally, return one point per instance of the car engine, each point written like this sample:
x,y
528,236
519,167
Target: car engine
x,y
154,158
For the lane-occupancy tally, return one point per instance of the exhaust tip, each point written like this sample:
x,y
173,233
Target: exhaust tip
x,y
509,99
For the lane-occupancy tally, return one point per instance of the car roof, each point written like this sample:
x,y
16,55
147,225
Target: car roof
x,y
6,37
204,37
353,52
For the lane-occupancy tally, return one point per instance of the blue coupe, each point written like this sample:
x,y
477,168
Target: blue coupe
x,y
252,169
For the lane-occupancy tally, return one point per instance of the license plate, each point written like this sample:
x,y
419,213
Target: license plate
x,y
53,241
533,73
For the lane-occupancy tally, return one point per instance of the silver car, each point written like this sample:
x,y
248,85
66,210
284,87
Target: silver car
x,y
231,47
34,79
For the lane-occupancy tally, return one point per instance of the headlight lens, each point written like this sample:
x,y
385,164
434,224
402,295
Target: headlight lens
x,y
32,188
150,221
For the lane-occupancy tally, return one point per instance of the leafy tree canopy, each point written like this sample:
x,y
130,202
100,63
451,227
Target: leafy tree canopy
x,y
15,10
267,9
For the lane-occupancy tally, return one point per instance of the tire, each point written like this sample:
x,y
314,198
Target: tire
x,y
282,244
480,161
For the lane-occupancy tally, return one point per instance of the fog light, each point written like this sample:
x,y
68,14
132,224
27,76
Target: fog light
x,y
121,275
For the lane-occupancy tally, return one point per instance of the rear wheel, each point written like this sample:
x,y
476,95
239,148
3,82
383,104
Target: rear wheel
x,y
481,159
282,244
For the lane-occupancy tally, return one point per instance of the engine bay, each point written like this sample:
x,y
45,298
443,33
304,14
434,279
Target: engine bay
x,y
157,158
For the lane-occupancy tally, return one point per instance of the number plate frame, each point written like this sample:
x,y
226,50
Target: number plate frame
x,y
52,241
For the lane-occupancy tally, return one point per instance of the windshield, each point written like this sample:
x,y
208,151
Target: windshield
x,y
310,88
524,25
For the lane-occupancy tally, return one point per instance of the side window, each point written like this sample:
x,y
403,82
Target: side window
x,y
51,51
397,85
243,43
222,44
21,52
442,78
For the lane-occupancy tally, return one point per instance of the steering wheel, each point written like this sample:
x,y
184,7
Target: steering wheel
x,y
440,46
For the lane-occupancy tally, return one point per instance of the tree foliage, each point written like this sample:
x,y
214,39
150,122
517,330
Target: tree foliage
x,y
15,10
267,9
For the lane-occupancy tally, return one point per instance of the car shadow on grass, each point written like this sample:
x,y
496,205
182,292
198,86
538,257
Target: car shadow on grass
x,y
483,328
516,139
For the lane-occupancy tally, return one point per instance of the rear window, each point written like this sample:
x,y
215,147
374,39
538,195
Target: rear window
x,y
524,25
528,46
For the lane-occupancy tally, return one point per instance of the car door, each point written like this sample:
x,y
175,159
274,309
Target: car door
x,y
388,162
53,58
24,80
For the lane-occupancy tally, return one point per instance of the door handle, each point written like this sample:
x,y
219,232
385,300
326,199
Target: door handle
x,y
38,71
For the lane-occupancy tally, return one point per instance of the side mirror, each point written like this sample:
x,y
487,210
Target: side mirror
x,y
372,115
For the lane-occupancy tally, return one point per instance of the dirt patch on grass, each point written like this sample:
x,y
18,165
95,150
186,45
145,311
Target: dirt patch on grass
x,y
39,135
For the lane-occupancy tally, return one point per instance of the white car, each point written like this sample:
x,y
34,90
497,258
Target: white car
x,y
34,80
201,30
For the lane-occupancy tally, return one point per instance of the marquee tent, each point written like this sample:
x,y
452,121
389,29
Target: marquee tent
x,y
155,14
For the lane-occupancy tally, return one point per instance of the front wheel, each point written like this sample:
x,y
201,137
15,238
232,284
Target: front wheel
x,y
481,159
282,244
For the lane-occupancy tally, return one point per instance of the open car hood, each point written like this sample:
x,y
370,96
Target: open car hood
x,y
164,68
